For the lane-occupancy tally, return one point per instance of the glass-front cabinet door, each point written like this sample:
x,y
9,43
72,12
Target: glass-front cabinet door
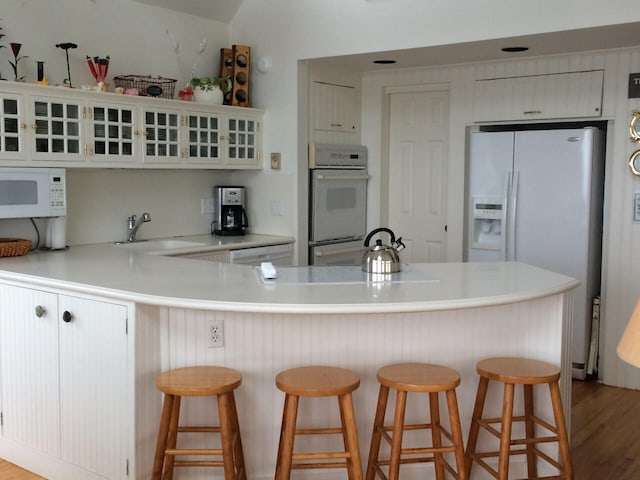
x,y
56,129
204,138
242,144
161,136
12,127
113,135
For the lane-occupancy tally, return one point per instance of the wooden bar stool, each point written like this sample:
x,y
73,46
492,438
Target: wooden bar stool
x,y
422,378
318,381
197,382
511,372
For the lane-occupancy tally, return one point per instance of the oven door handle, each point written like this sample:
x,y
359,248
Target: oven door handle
x,y
343,177
329,253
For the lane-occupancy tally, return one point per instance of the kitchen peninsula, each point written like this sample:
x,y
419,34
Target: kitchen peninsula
x,y
85,405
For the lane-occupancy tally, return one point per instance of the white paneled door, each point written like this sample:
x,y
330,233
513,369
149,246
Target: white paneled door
x,y
418,135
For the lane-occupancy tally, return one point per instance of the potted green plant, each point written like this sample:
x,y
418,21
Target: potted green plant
x,y
210,89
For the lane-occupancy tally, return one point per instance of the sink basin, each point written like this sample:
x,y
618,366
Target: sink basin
x,y
158,245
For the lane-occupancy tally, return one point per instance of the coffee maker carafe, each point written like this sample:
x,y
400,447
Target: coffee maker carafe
x,y
229,215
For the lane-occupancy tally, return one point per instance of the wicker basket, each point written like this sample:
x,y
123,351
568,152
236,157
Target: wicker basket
x,y
14,247
165,86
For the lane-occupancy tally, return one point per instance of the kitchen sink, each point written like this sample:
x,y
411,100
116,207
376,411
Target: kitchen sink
x,y
158,245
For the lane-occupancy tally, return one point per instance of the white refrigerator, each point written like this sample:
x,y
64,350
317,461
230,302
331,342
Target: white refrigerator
x,y
536,196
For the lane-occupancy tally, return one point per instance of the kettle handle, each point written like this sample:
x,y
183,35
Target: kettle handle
x,y
373,232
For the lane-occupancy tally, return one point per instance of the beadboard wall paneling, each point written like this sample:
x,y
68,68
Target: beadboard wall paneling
x,y
262,345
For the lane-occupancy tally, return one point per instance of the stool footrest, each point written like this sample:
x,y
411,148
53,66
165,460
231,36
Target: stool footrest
x,y
309,466
199,429
319,431
198,463
320,455
193,451
416,451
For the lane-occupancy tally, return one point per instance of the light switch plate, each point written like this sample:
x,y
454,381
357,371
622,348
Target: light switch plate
x,y
276,160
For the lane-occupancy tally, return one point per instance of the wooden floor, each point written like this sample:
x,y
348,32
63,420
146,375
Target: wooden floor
x,y
605,425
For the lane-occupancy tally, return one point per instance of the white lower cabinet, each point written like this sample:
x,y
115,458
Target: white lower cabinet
x,y
64,379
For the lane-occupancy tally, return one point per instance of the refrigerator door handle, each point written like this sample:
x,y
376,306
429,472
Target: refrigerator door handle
x,y
511,216
505,216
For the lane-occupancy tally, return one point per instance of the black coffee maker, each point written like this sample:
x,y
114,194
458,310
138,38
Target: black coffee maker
x,y
229,215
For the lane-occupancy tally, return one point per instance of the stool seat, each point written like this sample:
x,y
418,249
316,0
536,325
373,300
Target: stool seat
x,y
318,381
518,370
510,372
417,378
198,381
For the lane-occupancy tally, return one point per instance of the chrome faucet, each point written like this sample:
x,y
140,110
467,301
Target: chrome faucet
x,y
134,224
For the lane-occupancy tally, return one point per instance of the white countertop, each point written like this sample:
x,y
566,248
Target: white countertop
x,y
115,271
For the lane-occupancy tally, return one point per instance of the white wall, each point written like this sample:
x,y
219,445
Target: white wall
x,y
132,34
100,201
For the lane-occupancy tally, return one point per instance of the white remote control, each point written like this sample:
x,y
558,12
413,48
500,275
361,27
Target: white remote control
x,y
268,270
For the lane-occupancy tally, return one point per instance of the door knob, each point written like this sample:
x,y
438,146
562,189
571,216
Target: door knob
x,y
40,311
66,316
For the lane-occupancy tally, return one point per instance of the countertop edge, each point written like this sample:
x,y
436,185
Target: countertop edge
x,y
291,308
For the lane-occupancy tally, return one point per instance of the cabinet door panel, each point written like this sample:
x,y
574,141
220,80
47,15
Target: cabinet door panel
x,y
56,129
333,107
112,131
161,136
12,127
93,385
29,368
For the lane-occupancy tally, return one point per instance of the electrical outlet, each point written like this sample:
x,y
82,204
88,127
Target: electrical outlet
x,y
215,334
206,205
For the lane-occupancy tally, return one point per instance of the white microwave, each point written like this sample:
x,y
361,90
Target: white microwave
x,y
32,192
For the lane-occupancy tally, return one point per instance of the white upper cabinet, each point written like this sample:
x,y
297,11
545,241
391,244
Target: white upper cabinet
x,y
52,126
560,95
333,107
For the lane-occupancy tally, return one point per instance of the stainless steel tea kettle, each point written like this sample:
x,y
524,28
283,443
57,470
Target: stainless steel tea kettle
x,y
382,258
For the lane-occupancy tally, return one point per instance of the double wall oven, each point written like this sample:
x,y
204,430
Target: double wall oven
x,y
338,203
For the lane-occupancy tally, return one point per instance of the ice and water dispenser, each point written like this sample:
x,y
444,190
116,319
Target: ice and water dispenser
x,y
487,223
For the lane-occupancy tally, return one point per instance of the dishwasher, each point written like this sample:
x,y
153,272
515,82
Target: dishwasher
x,y
276,254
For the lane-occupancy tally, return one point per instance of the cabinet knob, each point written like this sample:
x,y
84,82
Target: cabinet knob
x,y
40,311
66,316
34,126
23,125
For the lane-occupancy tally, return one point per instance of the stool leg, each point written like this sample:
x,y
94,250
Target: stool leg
x,y
226,436
474,429
172,437
376,436
436,433
161,444
505,433
456,433
238,452
396,439
287,436
532,466
563,438
350,434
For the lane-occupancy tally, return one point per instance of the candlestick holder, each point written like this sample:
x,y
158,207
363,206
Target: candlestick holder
x,y
15,48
